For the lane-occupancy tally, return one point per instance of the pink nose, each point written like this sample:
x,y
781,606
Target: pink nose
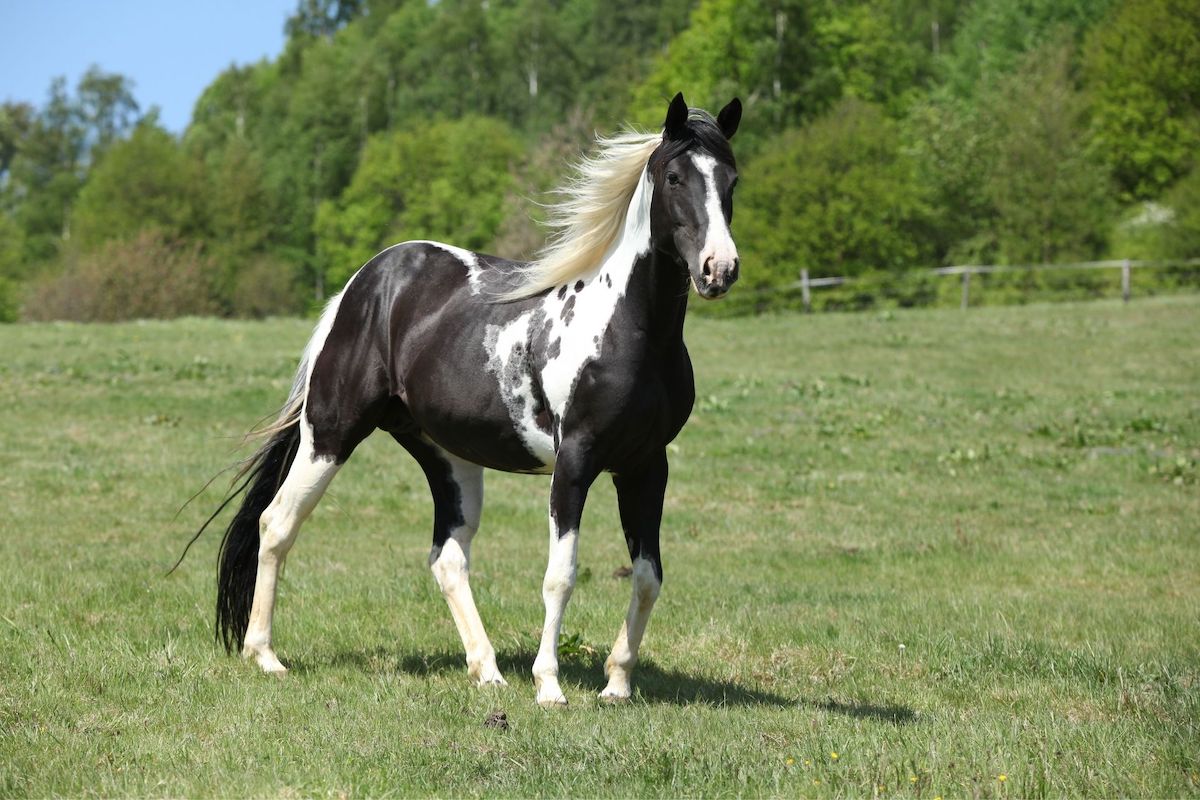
x,y
721,274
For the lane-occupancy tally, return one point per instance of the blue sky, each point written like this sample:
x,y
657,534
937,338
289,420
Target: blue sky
x,y
171,49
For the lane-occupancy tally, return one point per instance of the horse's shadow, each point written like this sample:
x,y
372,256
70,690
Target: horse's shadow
x,y
652,683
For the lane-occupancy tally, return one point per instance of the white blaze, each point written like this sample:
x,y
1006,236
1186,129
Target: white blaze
x,y
718,241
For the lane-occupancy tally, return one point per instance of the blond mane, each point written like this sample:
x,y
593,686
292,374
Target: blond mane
x,y
589,218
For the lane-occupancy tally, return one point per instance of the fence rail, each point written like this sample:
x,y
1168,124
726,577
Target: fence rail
x,y
806,283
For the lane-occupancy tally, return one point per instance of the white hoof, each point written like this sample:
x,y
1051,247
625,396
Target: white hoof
x,y
485,672
616,695
266,660
552,701
549,695
492,680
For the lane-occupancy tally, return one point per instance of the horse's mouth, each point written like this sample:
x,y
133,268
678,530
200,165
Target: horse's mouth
x,y
710,291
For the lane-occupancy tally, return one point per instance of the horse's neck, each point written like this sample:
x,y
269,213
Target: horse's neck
x,y
656,299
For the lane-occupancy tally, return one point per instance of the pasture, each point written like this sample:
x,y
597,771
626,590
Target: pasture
x,y
924,553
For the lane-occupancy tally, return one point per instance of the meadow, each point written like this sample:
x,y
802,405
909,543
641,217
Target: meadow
x,y
912,554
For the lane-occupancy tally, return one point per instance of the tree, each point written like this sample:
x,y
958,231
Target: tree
x,y
994,35
446,182
143,182
755,49
1052,202
837,196
107,109
1181,236
1142,66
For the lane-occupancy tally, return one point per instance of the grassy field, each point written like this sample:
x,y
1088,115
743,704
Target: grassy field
x,y
953,554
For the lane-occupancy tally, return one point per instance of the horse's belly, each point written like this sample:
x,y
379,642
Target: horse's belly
x,y
477,429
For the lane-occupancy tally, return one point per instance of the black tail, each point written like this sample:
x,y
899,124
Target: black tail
x,y
237,562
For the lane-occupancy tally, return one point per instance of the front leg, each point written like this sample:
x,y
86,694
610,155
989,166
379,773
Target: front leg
x,y
640,499
573,475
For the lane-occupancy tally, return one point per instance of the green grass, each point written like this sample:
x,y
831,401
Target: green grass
x,y
1009,493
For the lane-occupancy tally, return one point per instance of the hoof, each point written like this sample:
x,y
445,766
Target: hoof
x,y
267,662
614,697
552,702
494,681
549,693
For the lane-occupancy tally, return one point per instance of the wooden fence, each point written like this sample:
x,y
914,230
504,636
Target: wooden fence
x,y
806,284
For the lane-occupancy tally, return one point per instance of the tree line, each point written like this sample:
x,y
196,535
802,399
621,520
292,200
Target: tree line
x,y
879,136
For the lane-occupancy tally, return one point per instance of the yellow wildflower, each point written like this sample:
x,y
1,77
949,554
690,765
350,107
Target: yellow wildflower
x,y
1002,777
834,756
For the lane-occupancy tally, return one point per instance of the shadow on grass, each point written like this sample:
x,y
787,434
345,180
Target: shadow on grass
x,y
652,684
897,715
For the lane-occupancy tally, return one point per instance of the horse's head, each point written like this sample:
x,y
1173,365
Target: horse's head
x,y
694,173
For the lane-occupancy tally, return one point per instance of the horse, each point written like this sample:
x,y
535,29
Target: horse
x,y
570,365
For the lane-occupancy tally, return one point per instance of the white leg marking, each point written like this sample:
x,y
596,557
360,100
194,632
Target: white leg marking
x,y
556,591
451,569
306,481
621,661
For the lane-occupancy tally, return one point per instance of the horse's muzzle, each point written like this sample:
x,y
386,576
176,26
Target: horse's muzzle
x,y
717,277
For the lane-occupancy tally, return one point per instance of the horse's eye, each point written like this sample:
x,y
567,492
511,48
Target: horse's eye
x,y
672,178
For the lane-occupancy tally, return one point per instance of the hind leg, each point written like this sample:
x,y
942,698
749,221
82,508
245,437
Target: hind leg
x,y
457,488
306,481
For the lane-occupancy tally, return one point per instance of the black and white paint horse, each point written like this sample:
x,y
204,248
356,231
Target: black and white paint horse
x,y
573,365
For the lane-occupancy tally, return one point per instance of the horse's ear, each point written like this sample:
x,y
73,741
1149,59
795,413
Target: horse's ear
x,y
729,118
677,114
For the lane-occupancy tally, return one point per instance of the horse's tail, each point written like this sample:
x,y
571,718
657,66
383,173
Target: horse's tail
x,y
261,475
257,481
237,562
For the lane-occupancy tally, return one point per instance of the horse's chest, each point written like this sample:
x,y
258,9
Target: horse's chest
x,y
539,358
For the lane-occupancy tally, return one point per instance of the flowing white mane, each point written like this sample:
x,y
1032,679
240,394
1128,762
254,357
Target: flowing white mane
x,y
588,220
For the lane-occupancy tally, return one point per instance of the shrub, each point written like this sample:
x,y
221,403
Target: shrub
x,y
267,287
144,277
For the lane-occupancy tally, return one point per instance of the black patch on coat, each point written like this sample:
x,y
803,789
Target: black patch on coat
x,y
568,310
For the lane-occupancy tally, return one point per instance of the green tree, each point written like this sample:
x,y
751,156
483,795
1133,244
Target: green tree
x,y
446,182
1142,66
755,49
1052,202
993,36
837,196
859,51
46,173
1181,237
107,108
143,182
952,145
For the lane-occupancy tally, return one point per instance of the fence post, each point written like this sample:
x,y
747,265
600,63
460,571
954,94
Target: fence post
x,y
966,292
1125,280
805,293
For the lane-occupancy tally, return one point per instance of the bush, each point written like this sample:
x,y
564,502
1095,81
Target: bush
x,y
9,300
267,287
144,277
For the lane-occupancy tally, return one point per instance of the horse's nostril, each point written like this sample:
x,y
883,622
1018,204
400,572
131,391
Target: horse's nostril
x,y
708,267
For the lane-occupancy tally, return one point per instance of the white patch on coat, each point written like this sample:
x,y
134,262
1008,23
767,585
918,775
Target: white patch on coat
x,y
579,332
718,241
508,353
